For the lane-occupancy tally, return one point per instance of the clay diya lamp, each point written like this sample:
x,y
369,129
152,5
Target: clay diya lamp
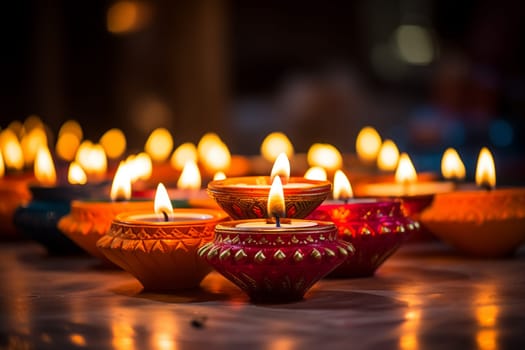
x,y
488,222
38,219
375,227
160,249
90,219
275,260
416,195
247,197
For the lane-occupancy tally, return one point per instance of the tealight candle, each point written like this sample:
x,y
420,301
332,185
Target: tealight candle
x,y
246,197
488,222
275,259
159,248
375,227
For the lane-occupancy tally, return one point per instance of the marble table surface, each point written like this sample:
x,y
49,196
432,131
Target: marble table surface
x,y
424,297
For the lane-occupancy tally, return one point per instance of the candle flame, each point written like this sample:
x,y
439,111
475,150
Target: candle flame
x,y
485,169
451,165
67,145
71,127
114,143
405,172
162,202
190,178
219,176
184,153
281,168
10,146
367,144
216,156
76,175
159,144
2,166
316,173
92,158
32,122
342,188
388,156
31,142
274,144
121,186
276,208
45,168
324,155
140,166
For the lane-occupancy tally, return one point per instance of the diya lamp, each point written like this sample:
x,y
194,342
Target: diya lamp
x,y
89,219
160,248
484,222
277,259
415,195
247,197
375,227
50,201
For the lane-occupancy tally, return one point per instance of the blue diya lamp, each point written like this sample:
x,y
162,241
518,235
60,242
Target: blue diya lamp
x,y
38,219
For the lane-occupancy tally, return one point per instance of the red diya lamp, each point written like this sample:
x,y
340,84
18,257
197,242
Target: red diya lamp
x,y
275,260
483,222
160,248
415,195
90,219
247,197
375,227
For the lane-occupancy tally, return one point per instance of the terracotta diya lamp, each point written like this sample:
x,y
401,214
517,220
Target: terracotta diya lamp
x,y
416,196
89,220
38,219
375,227
160,249
488,222
275,260
247,197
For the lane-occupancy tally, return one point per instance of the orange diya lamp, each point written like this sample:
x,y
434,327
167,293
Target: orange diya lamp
x,y
89,220
375,227
275,259
160,248
13,186
247,197
487,222
416,195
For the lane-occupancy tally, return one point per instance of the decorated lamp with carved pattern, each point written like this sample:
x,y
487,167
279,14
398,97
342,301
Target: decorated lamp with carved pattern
x,y
160,249
275,260
247,197
375,227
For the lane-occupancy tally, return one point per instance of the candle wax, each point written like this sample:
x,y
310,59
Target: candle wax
x,y
266,225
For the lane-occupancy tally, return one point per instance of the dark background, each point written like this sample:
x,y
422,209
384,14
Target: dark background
x,y
318,71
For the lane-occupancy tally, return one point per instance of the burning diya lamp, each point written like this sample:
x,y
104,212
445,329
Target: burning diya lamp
x,y
50,201
486,222
416,195
160,248
278,259
247,197
375,227
13,191
89,220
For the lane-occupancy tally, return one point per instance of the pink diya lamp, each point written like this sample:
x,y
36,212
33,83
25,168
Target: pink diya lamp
x,y
90,219
278,259
415,195
375,227
487,222
247,197
160,248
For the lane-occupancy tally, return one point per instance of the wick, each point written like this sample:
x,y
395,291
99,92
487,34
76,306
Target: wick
x,y
120,199
345,201
165,216
277,221
486,187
